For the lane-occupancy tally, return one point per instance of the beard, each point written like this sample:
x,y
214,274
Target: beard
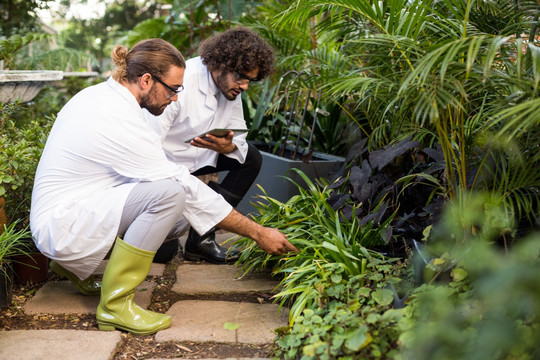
x,y
223,87
149,103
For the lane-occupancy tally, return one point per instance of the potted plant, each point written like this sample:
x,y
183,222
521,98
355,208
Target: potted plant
x,y
21,150
293,129
11,244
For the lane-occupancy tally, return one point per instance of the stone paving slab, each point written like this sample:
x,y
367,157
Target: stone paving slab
x,y
58,344
60,297
203,321
207,278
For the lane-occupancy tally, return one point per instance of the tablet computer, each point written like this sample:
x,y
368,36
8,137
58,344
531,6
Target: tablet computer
x,y
219,133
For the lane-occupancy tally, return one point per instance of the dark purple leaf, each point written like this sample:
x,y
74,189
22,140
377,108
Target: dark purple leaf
x,y
380,158
381,210
358,149
435,154
363,192
337,184
337,201
347,211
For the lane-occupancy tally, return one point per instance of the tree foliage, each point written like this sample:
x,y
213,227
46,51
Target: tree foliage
x,y
19,16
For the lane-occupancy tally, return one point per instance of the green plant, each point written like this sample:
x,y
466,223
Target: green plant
x,y
13,242
15,54
326,241
295,112
490,308
339,292
353,320
189,23
19,16
9,46
21,150
444,72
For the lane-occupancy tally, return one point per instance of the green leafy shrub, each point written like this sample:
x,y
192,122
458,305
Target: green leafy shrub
x,y
21,151
490,308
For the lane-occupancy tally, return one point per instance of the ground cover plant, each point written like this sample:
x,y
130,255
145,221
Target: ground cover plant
x,y
347,300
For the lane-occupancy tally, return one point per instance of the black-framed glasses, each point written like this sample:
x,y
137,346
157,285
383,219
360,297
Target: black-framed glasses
x,y
170,88
240,78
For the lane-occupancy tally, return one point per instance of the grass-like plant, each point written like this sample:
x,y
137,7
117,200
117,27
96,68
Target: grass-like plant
x,y
13,242
329,246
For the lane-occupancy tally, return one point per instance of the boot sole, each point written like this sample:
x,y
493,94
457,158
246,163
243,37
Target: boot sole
x,y
107,326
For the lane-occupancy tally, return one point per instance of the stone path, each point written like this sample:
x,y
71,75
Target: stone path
x,y
196,321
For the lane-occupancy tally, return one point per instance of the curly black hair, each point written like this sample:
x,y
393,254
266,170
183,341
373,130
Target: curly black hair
x,y
239,49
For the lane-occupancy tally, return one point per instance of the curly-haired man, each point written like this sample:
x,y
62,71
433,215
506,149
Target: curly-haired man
x,y
228,62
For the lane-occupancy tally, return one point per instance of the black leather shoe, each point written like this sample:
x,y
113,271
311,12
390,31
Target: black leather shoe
x,y
166,251
205,248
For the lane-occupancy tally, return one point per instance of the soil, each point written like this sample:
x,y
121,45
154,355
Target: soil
x,y
135,346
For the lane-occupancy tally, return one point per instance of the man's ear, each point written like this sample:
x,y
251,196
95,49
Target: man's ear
x,y
145,81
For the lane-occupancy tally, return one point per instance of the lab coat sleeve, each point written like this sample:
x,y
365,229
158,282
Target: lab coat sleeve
x,y
236,121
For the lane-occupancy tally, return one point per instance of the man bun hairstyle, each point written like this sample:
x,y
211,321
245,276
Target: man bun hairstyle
x,y
154,56
239,49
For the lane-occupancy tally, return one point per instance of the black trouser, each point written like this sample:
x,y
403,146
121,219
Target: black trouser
x,y
240,176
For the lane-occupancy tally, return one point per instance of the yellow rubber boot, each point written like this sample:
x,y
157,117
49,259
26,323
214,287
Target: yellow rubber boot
x,y
87,286
127,268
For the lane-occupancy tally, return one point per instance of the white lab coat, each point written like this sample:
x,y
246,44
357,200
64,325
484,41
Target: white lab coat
x,y
99,147
200,107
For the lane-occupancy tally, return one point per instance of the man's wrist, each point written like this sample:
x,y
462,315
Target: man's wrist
x,y
233,147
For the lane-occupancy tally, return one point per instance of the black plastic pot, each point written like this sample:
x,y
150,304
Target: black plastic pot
x,y
33,267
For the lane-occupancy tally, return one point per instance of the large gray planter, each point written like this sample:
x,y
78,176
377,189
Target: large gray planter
x,y
273,170
24,84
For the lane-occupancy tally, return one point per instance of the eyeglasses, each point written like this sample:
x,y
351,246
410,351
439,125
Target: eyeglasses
x,y
171,89
174,91
240,78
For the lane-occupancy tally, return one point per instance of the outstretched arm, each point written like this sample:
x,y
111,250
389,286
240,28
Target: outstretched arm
x,y
271,240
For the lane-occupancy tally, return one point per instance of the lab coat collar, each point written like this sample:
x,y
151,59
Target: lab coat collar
x,y
123,91
208,88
